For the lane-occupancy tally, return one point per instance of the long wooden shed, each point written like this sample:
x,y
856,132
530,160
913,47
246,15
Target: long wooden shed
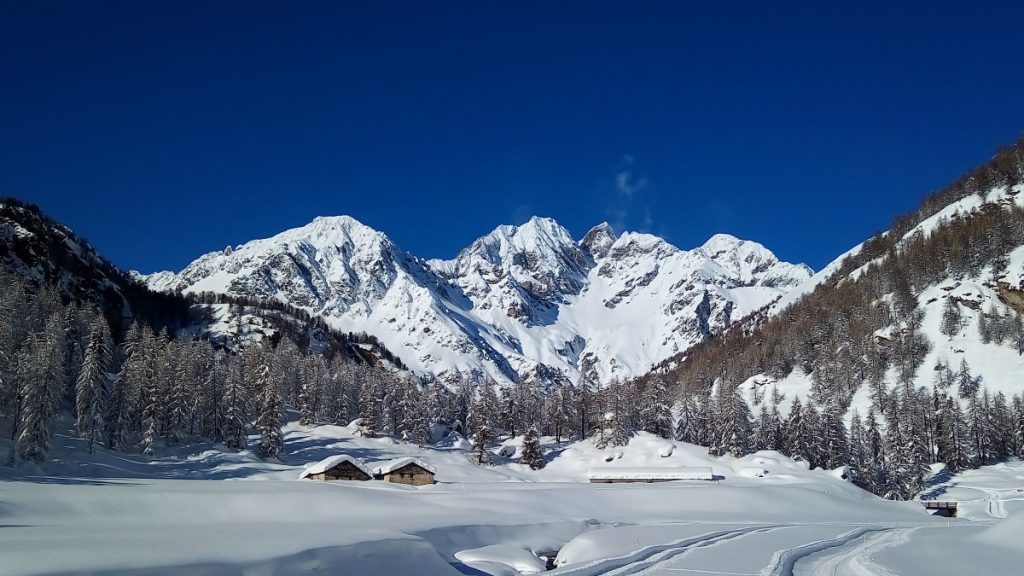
x,y
340,467
610,475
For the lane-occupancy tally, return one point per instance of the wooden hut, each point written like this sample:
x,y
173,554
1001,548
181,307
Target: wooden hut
x,y
610,475
340,467
940,508
411,471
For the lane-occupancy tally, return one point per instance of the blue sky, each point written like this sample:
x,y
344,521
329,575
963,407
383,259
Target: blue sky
x,y
163,130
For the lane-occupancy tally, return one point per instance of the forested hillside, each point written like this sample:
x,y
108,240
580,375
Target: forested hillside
x,y
907,354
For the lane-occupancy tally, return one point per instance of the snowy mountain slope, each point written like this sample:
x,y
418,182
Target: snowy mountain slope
x,y
46,253
988,293
33,246
523,301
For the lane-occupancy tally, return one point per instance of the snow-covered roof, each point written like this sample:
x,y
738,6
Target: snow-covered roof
x,y
620,473
398,463
332,461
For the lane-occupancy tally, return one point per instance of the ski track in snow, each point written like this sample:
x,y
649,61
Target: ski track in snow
x,y
784,562
996,507
853,557
847,554
995,503
646,559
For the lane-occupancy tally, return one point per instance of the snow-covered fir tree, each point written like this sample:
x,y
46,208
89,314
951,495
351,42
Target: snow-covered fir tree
x,y
91,389
655,409
41,372
268,420
532,455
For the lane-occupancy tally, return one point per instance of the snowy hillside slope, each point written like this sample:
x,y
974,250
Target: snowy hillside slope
x,y
523,301
990,291
35,247
202,509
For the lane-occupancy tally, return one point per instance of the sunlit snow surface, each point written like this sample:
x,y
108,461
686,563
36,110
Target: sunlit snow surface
x,y
203,510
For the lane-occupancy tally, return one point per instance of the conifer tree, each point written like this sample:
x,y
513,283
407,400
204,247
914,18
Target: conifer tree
x,y
774,437
736,427
1016,334
235,407
951,318
858,461
797,437
1018,425
483,411
370,407
41,373
837,445
213,418
341,376
959,443
655,409
874,444
585,407
686,427
617,428
532,454
558,411
762,430
179,393
439,404
968,385
268,421
91,391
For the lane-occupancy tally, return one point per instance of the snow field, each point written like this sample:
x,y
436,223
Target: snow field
x,y
206,511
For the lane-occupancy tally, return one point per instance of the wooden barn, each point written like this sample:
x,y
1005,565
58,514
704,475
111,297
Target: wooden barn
x,y
411,471
610,475
340,467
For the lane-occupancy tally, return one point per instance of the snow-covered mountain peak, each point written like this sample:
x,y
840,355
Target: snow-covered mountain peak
x,y
541,236
330,232
641,241
751,263
523,271
599,239
518,302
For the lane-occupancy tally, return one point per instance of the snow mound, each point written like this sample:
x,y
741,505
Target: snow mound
x,y
508,559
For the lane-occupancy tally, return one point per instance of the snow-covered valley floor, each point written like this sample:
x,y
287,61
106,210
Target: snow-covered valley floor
x,y
203,510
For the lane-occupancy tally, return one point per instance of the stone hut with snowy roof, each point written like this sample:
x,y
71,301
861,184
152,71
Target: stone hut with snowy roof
x,y
411,471
341,467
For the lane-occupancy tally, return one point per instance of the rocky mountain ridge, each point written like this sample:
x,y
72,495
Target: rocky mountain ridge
x,y
526,301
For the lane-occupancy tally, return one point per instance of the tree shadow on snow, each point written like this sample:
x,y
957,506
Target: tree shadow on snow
x,y
62,480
